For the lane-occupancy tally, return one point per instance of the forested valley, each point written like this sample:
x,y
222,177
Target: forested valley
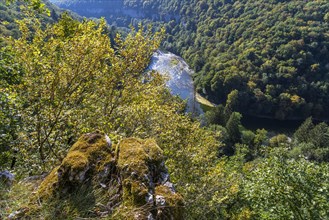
x,y
87,131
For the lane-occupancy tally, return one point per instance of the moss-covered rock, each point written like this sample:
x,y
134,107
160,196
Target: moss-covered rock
x,y
170,205
137,159
125,183
81,164
141,163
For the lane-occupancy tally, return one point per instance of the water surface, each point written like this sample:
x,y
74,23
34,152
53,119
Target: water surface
x,y
179,77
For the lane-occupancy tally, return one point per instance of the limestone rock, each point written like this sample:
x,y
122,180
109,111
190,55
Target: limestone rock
x,y
132,179
83,161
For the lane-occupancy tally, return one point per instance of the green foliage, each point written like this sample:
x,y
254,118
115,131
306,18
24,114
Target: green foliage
x,y
273,53
221,192
8,14
274,187
279,188
70,81
311,141
9,117
319,135
11,73
278,141
216,115
13,10
221,119
260,138
74,81
67,78
233,127
302,134
34,4
247,137
16,197
9,126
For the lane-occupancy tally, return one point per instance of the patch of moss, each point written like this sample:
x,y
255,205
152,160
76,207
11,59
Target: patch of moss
x,y
172,198
87,156
174,202
123,181
136,162
129,213
93,146
108,164
134,193
135,154
132,157
48,185
154,152
76,161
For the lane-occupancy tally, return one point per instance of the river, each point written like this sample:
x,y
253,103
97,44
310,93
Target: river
x,y
180,83
179,77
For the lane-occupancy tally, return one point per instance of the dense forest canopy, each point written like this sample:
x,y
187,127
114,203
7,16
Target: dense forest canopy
x,y
275,53
10,11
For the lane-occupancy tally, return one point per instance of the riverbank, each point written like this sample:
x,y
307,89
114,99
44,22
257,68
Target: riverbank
x,y
180,83
205,104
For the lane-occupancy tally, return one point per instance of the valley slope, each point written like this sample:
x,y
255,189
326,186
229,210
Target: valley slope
x,y
271,56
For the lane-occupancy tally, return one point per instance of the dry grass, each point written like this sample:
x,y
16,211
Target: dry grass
x,y
17,197
204,101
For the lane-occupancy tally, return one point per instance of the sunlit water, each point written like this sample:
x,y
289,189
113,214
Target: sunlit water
x,y
179,77
180,83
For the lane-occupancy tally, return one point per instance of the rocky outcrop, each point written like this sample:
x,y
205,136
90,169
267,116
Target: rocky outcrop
x,y
146,179
131,177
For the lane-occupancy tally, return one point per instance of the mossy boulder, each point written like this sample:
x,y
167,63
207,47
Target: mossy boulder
x,y
169,205
81,164
121,181
136,161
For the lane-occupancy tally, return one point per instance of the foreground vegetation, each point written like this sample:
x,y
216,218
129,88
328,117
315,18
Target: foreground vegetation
x,y
70,78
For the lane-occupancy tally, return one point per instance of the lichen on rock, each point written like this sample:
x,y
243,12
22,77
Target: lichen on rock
x,y
127,182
